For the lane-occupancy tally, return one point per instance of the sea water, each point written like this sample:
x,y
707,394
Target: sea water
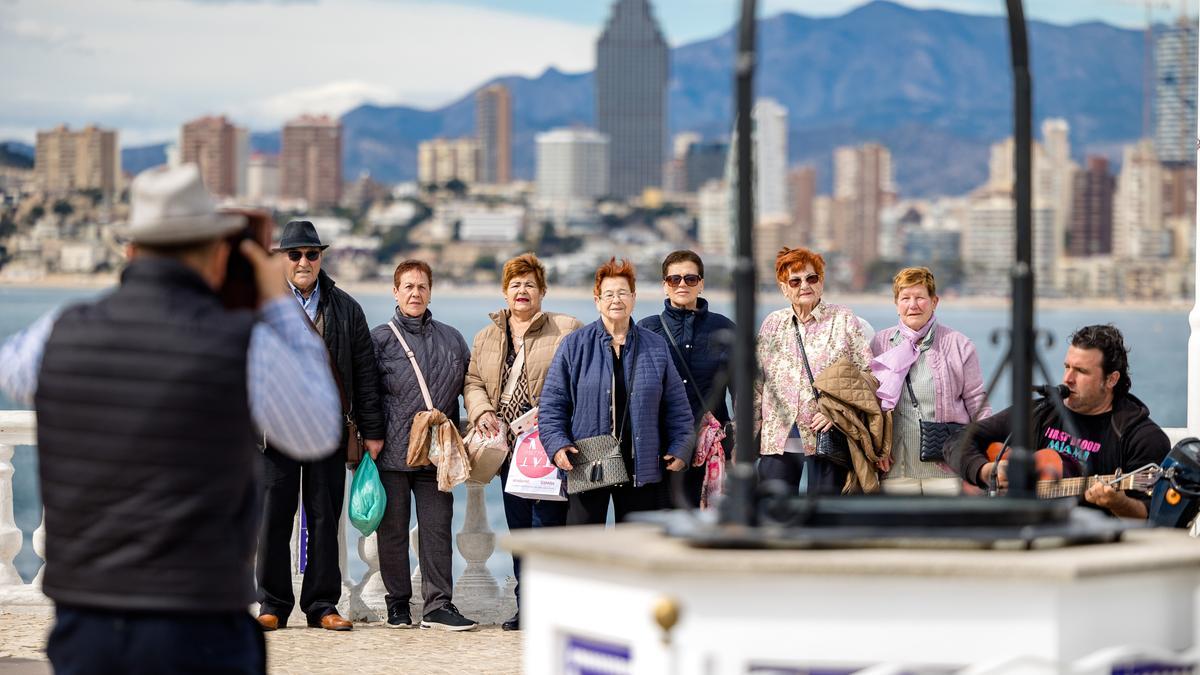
x,y
1157,340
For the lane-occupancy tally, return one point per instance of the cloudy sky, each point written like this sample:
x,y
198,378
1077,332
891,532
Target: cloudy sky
x,y
146,66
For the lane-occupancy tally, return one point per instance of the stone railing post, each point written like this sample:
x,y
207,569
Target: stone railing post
x,y
367,597
39,547
17,427
10,534
477,594
418,595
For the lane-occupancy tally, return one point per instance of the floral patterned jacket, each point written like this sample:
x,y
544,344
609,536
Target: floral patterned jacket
x,y
784,396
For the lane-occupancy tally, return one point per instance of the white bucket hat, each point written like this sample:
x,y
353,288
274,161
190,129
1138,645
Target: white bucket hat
x,y
170,206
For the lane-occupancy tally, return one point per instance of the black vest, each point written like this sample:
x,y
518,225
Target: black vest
x,y
149,476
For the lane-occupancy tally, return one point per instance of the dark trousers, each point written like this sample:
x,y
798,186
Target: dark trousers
x,y
824,477
591,507
95,642
324,488
434,510
522,514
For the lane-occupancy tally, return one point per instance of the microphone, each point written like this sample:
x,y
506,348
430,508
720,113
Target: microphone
x,y
1044,390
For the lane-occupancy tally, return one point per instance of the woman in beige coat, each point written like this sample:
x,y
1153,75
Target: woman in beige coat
x,y
497,349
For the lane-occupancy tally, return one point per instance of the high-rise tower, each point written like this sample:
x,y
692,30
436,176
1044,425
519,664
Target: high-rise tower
x,y
631,96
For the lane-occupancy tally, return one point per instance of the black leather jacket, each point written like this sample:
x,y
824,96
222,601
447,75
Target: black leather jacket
x,y
348,338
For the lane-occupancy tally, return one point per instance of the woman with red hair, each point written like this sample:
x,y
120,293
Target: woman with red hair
x,y
794,345
613,377
508,366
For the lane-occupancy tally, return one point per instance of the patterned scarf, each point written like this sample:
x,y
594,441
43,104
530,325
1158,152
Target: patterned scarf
x,y
891,367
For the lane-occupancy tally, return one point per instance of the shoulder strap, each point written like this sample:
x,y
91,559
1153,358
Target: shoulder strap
x,y
808,369
416,369
912,395
514,374
682,359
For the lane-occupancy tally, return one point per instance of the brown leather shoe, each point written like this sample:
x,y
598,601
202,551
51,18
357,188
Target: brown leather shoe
x,y
268,621
333,621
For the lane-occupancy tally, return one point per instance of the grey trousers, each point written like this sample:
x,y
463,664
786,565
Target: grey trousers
x,y
434,510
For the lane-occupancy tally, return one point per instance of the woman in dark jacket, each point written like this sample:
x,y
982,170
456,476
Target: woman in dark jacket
x,y
441,354
701,347
590,376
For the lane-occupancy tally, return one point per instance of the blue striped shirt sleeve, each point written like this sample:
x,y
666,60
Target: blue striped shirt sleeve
x,y
21,358
293,397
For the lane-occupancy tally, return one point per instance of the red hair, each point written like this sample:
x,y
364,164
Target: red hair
x,y
408,266
790,258
612,268
526,263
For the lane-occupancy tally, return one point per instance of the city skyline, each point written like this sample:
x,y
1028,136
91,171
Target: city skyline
x,y
268,77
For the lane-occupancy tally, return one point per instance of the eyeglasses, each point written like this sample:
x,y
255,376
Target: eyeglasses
x,y
619,295
295,256
812,280
676,279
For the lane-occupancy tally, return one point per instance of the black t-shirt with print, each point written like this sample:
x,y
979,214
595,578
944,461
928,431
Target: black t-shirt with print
x,y
1097,450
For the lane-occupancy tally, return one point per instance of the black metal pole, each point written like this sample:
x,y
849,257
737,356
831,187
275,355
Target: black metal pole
x,y
738,507
1021,477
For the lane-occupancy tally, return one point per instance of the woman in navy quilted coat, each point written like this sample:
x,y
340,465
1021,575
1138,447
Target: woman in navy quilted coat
x,y
598,373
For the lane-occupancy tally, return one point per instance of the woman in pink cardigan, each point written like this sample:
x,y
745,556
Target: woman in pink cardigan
x,y
926,371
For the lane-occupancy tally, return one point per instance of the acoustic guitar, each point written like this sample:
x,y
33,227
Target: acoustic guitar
x,y
1052,484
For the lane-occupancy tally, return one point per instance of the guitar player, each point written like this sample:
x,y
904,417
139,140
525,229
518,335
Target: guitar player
x,y
1115,429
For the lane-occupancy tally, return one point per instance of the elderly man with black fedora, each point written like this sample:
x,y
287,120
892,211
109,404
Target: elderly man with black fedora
x,y
148,402
341,322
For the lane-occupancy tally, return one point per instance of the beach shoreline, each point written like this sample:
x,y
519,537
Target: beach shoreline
x,y
100,281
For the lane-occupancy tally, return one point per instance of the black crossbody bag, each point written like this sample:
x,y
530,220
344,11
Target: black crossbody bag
x,y
933,434
832,445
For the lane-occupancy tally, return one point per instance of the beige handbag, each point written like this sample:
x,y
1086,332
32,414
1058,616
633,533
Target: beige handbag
x,y
487,453
433,438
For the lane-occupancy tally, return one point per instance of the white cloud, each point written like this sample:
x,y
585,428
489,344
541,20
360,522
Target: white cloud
x,y
107,103
42,34
332,98
264,61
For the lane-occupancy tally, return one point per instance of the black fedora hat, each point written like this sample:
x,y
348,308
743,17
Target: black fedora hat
x,y
300,234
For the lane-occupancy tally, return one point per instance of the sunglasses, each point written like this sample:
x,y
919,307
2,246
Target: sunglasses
x,y
812,280
676,279
295,256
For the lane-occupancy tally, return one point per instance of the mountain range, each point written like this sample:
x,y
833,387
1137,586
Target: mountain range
x,y
934,86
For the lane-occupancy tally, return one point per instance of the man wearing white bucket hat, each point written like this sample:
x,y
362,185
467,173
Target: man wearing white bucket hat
x,y
148,402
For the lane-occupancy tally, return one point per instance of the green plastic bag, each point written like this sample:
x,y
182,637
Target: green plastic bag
x,y
367,498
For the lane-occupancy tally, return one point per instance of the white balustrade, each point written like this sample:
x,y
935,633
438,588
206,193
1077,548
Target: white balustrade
x,y
362,600
10,535
17,427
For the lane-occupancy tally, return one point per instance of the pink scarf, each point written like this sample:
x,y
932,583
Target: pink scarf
x,y
891,367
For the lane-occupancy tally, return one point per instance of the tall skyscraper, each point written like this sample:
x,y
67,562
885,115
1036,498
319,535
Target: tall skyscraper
x,y
220,150
802,191
310,163
88,159
714,226
1138,206
631,97
862,187
1090,232
493,127
572,170
770,160
1175,94
988,245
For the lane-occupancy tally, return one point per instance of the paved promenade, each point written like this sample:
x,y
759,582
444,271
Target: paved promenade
x,y
369,648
